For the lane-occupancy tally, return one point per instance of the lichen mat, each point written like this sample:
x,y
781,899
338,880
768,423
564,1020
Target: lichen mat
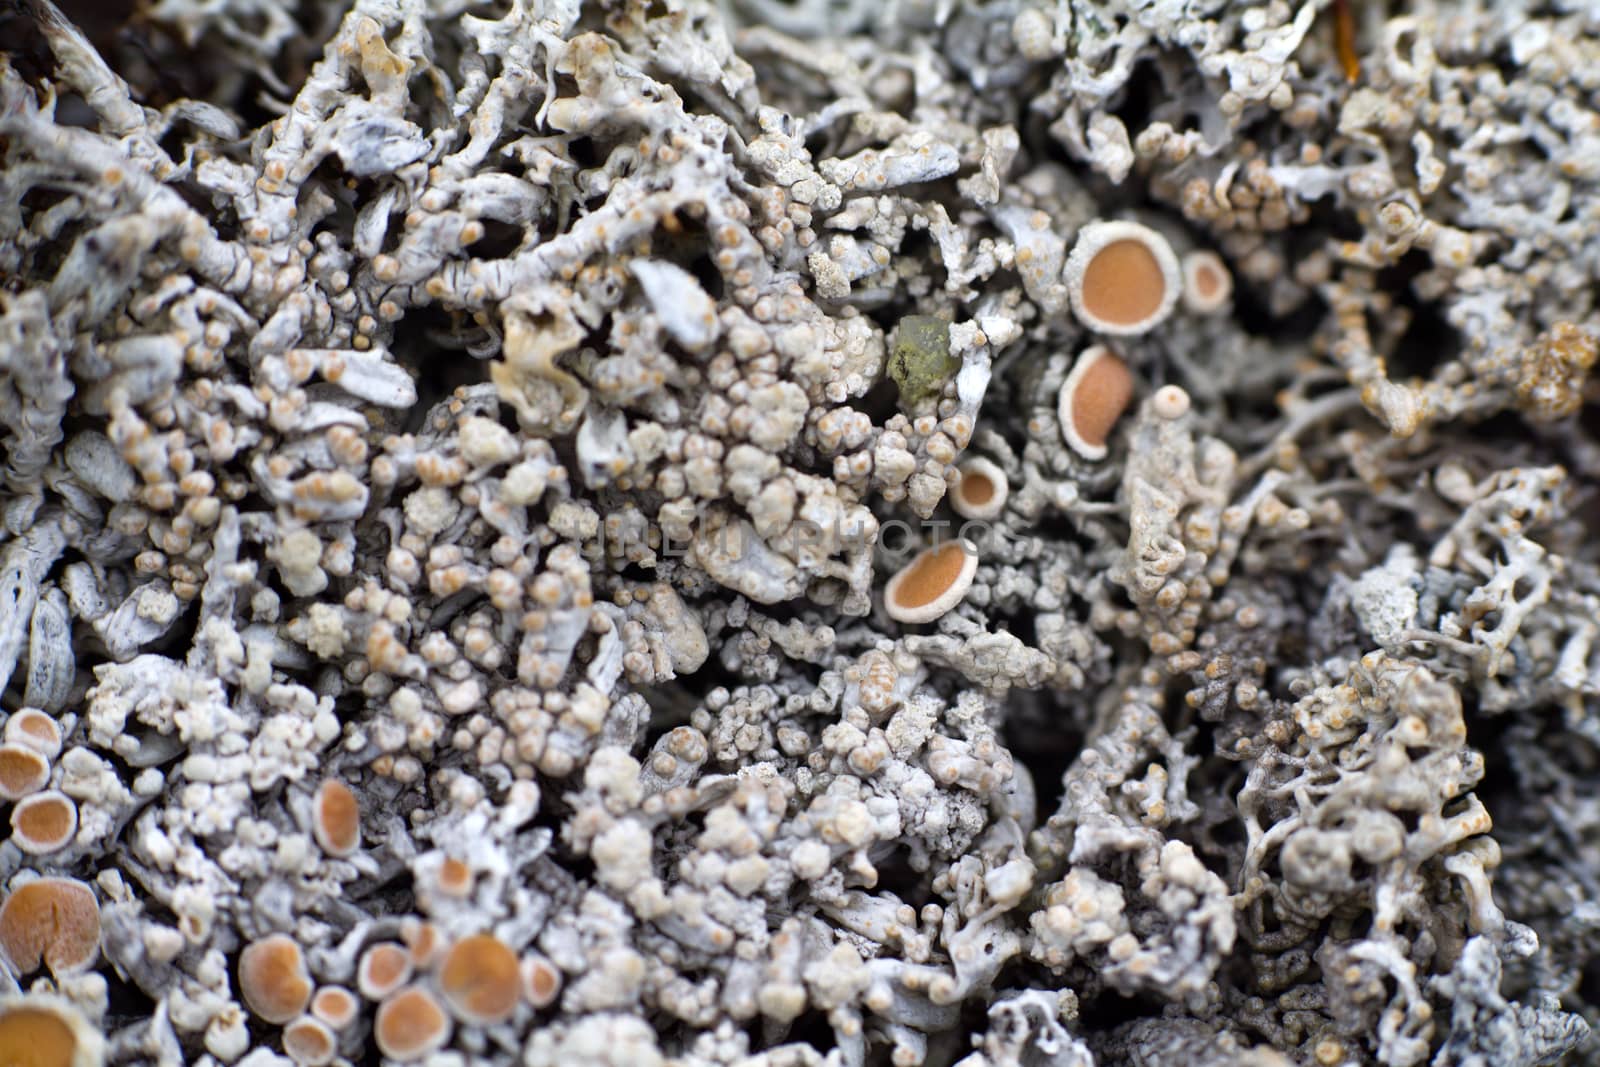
x,y
799,533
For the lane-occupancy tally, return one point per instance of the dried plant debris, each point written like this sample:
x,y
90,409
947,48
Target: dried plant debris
x,y
788,533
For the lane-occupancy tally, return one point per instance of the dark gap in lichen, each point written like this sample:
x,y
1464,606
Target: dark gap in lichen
x,y
369,1056
74,110
897,875
583,151
428,342
677,837
918,244
1504,772
499,241
886,317
555,810
1101,1014
974,1024
1254,316
700,101
1428,340
1217,825
1588,421
158,66
180,638
1140,94
680,237
1019,625
818,142
673,703
706,273
1219,834
173,140
425,101
812,1028
1044,740
25,46
1501,436
396,895
880,402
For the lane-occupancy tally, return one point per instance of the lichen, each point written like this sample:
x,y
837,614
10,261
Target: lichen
x,y
452,485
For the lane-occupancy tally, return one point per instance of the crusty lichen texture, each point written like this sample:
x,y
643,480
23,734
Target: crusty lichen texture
x,y
796,533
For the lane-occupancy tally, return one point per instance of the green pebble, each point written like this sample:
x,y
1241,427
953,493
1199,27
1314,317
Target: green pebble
x,y
920,361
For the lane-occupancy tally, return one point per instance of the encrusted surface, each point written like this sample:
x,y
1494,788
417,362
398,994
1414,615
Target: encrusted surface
x,y
513,411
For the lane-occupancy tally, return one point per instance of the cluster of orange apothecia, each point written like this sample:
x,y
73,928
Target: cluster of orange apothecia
x,y
42,820
422,988
423,984
1123,279
52,923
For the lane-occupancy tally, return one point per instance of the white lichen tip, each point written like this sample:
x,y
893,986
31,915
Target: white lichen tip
x,y
1122,278
1207,283
1093,397
982,491
932,583
1170,402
